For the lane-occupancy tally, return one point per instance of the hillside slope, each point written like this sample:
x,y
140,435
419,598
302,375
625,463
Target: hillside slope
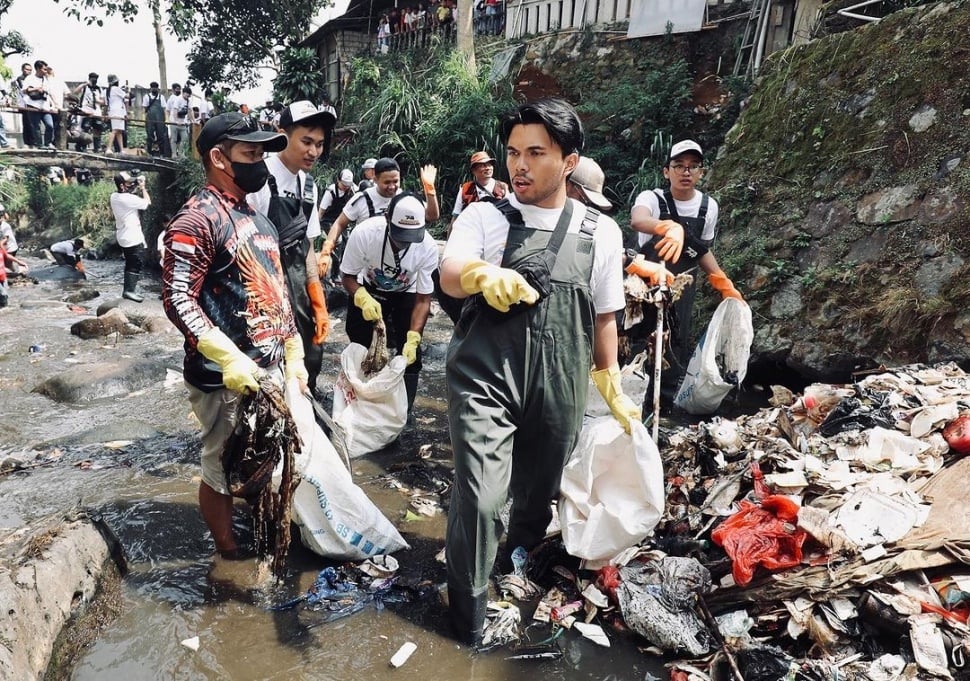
x,y
845,197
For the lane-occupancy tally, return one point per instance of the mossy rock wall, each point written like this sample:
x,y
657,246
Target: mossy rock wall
x,y
845,197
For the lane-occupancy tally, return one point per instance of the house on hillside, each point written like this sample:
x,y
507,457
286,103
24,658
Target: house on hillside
x,y
772,25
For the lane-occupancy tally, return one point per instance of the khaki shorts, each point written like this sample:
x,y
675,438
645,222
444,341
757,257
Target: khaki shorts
x,y
216,412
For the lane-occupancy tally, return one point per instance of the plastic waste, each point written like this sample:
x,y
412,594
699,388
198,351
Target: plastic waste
x,y
957,434
762,534
403,653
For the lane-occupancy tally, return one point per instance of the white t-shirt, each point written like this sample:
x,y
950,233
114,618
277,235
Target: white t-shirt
x,y
7,231
357,209
481,233
286,185
117,101
487,191
56,88
333,192
64,247
685,209
175,104
370,258
125,207
91,99
32,81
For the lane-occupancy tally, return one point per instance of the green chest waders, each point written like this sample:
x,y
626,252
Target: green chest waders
x,y
517,386
291,216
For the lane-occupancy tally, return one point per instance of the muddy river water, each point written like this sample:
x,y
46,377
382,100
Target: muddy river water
x,y
133,458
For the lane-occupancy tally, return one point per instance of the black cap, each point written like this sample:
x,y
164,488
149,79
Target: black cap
x,y
238,128
93,75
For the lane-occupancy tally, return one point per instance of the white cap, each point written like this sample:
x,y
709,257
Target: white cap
x,y
346,176
407,219
590,177
683,147
369,164
307,114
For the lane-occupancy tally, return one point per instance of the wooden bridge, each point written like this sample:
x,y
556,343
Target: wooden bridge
x,y
67,158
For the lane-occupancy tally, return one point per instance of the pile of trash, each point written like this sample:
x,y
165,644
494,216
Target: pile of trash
x,y
822,538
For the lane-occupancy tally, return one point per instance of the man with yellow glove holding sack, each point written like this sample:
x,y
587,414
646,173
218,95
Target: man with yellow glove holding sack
x,y
677,225
543,276
386,269
224,288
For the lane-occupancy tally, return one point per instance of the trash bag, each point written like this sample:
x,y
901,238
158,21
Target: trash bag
x,y
720,361
761,534
657,600
611,493
371,410
335,516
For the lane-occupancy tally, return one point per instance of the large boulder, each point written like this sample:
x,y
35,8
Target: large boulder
x,y
85,383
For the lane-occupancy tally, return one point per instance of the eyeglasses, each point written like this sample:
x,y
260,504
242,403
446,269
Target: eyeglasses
x,y
681,169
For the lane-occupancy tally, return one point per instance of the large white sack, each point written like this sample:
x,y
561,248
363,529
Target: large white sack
x,y
725,345
335,516
372,411
612,491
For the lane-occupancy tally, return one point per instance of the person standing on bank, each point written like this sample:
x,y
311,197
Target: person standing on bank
x,y
156,132
678,225
374,201
129,197
386,269
223,287
289,199
546,277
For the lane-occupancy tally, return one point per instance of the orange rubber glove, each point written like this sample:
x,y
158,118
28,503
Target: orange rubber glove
x,y
672,244
318,300
79,266
725,286
649,270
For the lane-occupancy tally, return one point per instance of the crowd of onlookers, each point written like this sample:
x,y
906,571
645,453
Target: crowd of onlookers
x,y
98,117
413,25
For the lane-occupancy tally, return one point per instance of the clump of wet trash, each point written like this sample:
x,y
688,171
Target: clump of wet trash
x,y
825,537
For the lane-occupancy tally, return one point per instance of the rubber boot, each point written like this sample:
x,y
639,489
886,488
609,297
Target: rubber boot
x,y
411,387
467,614
131,283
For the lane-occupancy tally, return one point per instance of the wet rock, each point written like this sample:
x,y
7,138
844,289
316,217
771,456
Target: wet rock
x,y
889,205
113,321
157,325
56,273
81,296
936,274
788,301
923,119
948,165
825,217
940,206
869,248
95,381
40,304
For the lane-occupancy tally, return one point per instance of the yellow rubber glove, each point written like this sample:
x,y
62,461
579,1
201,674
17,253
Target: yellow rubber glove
x,y
725,286
502,287
649,270
293,366
239,373
369,308
607,381
325,258
321,316
672,244
410,349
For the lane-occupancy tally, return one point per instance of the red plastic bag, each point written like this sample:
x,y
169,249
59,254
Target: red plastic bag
x,y
761,534
957,434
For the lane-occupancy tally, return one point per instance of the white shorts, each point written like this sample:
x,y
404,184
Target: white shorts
x,y
117,124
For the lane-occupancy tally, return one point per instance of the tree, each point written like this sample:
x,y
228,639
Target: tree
x,y
466,33
13,42
300,76
231,39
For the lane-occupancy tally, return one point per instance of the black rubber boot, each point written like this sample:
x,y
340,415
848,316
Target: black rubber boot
x,y
131,284
411,387
467,614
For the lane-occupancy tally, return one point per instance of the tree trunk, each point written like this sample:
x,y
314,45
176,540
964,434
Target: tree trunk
x,y
159,46
466,33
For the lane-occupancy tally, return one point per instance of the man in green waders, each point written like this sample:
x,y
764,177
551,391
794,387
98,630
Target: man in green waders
x,y
544,278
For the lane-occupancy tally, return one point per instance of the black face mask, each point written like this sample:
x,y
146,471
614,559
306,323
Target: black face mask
x,y
250,177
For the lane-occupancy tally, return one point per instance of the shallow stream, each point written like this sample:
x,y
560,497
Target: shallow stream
x,y
134,460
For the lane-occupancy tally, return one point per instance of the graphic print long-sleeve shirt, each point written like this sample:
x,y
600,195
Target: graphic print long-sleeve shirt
x,y
222,268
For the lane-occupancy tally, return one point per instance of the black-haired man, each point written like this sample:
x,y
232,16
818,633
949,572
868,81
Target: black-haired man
x,y
130,197
223,287
545,275
374,201
156,133
289,199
